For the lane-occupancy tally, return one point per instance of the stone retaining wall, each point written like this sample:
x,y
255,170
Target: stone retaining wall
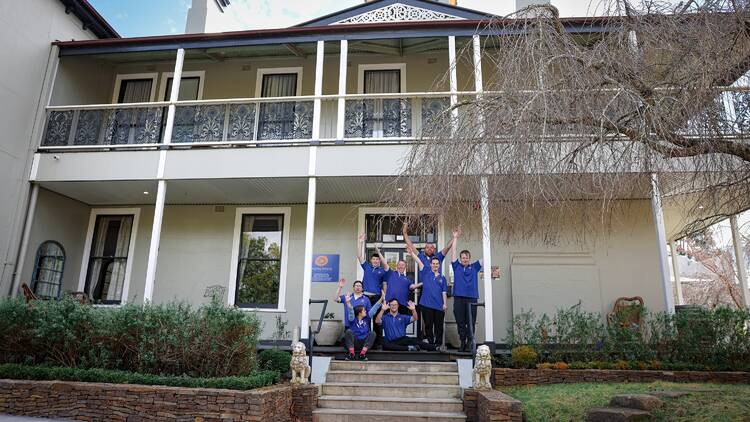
x,y
120,402
491,406
510,377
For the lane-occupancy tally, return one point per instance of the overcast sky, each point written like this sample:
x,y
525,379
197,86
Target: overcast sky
x,y
132,18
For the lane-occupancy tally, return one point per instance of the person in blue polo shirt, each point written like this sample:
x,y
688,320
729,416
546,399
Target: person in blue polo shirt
x,y
358,336
465,291
372,279
398,285
357,298
433,301
425,256
394,328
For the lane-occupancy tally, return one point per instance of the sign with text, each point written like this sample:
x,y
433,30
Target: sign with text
x,y
325,268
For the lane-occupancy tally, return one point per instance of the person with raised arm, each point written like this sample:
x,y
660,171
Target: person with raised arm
x,y
433,301
425,256
357,298
398,286
359,336
394,328
465,291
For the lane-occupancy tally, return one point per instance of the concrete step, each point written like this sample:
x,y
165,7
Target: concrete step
x,y
392,377
391,390
391,403
347,415
401,366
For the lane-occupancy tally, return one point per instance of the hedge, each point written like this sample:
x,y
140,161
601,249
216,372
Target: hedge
x,y
170,339
50,373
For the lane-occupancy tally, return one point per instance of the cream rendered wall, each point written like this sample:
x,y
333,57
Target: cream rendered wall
x,y
83,80
195,253
26,30
64,220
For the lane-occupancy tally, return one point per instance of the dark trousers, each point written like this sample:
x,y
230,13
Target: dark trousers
x,y
352,342
403,343
376,328
461,307
433,325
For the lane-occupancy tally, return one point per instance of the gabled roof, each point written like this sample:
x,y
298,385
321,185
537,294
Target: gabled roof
x,y
392,11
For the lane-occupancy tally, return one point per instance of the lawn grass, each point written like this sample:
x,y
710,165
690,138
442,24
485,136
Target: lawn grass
x,y
569,402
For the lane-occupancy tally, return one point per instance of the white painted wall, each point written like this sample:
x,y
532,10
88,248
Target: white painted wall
x,y
26,30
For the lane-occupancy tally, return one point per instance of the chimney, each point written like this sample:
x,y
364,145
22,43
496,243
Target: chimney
x,y
522,4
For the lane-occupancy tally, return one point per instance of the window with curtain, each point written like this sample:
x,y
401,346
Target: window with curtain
x,y
387,81
135,91
48,270
277,119
189,88
108,258
259,263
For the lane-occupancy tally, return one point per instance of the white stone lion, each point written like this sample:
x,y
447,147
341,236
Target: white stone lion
x,y
300,367
483,369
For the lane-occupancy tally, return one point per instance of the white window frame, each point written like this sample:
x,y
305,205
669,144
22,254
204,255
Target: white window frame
x,y
154,76
380,66
136,213
275,71
200,74
232,286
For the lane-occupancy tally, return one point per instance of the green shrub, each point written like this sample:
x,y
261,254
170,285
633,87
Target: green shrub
x,y
274,360
23,372
523,357
169,339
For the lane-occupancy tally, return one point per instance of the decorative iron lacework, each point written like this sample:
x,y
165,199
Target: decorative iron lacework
x,y
397,12
285,120
201,123
58,128
375,118
241,122
432,107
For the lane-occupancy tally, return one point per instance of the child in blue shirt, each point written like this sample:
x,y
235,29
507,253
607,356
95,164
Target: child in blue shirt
x,y
359,336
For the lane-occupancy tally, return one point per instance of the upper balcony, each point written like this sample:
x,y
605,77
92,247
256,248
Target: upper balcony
x,y
253,95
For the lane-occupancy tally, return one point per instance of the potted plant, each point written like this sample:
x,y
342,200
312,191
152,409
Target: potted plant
x,y
330,330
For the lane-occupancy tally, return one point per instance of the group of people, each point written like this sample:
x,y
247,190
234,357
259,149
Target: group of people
x,y
382,297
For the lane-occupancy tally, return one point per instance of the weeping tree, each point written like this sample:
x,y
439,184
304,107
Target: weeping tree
x,y
587,117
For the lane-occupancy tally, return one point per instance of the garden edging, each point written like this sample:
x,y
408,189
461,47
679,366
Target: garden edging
x,y
99,401
509,377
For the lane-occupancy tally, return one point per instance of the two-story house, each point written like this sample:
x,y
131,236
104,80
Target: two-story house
x,y
177,167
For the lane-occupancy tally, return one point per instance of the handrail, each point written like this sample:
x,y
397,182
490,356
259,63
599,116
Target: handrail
x,y
320,325
469,310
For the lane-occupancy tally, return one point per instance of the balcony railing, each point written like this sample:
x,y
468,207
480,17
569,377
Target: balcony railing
x,y
367,118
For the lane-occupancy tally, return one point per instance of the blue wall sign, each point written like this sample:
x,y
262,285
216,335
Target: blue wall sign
x,y
325,267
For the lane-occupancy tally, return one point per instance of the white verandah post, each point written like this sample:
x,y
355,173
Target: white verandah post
x,y
676,273
484,204
311,195
161,191
30,212
661,243
739,260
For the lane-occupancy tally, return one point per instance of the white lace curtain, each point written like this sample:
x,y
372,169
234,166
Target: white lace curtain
x,y
381,82
279,85
135,91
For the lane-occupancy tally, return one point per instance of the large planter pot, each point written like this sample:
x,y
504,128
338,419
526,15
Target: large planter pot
x,y
451,334
329,333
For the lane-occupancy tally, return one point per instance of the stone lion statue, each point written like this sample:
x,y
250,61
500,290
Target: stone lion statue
x,y
300,367
483,369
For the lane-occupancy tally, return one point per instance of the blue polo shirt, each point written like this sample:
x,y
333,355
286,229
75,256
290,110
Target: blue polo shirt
x,y
426,261
432,290
360,328
398,287
373,278
394,327
465,280
362,300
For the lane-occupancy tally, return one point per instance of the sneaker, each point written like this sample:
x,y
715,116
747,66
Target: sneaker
x,y
413,348
363,358
350,356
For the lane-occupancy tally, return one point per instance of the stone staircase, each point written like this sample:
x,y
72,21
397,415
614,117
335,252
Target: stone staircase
x,y
377,391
